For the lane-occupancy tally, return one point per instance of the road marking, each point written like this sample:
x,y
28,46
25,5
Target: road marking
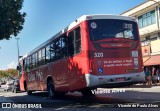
x,y
62,108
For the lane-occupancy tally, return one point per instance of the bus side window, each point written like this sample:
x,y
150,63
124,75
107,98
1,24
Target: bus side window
x,y
52,51
39,57
48,54
33,60
27,63
64,46
74,42
71,43
58,46
77,42
43,56
30,62
36,59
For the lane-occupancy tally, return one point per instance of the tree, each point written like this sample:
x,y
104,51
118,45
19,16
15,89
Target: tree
x,y
3,74
12,72
11,19
8,73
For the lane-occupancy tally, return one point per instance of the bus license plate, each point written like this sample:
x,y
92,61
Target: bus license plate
x,y
120,79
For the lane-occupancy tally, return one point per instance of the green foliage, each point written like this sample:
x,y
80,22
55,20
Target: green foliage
x,y
8,73
3,74
11,19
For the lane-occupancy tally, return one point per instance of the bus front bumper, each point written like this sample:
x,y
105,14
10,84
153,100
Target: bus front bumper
x,y
110,80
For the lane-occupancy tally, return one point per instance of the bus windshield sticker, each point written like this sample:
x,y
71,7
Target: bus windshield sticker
x,y
127,26
134,53
136,63
93,25
99,63
100,70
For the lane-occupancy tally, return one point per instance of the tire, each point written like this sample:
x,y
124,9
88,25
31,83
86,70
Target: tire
x,y
59,94
15,90
28,92
87,92
12,90
51,89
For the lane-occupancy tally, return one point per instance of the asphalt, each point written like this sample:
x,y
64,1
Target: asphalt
x,y
153,88
3,102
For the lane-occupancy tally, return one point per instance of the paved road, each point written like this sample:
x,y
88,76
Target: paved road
x,y
109,98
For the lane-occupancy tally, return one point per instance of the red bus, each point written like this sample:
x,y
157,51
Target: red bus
x,y
93,51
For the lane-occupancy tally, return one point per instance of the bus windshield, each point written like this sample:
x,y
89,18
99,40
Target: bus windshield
x,y
112,28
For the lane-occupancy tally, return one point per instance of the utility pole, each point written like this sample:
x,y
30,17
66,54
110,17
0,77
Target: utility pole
x,y
18,55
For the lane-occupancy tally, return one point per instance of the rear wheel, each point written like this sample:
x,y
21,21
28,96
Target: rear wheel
x,y
29,92
87,92
51,89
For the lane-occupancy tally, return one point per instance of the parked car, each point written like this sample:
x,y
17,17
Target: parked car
x,y
15,86
8,85
2,83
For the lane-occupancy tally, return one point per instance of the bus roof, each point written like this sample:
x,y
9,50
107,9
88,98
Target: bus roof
x,y
78,21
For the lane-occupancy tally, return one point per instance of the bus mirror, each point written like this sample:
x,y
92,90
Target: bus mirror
x,y
17,67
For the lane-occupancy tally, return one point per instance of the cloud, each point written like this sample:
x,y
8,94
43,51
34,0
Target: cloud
x,y
13,64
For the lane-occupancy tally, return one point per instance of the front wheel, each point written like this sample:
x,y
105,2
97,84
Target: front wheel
x,y
51,89
28,92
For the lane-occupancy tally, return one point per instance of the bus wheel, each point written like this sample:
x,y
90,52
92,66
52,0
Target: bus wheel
x,y
28,92
51,90
87,92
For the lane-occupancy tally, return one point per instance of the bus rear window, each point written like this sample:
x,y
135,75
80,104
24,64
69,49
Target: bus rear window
x,y
112,28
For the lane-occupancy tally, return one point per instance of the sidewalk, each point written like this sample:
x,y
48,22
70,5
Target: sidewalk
x,y
143,86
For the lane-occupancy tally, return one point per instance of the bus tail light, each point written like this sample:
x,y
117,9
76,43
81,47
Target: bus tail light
x,y
91,67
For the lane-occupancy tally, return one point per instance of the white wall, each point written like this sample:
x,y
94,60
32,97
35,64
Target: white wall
x,y
155,47
148,29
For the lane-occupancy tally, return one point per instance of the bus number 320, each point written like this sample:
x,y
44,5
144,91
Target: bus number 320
x,y
98,54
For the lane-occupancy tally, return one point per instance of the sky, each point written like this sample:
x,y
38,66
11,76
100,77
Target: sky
x,y
45,18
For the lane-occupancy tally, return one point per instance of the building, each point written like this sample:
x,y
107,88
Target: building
x,y
148,16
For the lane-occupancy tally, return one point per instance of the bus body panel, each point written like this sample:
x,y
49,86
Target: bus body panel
x,y
60,77
22,81
119,61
